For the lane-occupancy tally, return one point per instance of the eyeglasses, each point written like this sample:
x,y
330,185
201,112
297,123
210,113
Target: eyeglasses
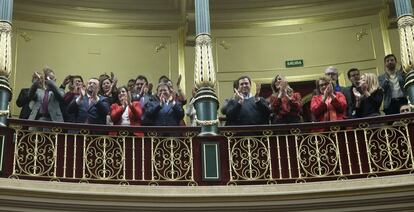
x,y
323,84
405,110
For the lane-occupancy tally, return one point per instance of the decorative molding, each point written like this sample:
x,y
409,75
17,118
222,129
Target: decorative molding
x,y
226,45
152,14
160,47
25,36
361,34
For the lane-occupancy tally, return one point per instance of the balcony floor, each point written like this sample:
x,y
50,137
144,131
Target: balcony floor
x,y
392,193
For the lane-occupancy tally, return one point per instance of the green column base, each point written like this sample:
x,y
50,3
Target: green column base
x,y
206,105
210,164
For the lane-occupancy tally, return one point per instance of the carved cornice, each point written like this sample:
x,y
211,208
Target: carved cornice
x,y
168,14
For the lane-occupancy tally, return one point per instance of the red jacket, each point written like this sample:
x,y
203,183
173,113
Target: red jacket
x,y
284,106
333,110
134,113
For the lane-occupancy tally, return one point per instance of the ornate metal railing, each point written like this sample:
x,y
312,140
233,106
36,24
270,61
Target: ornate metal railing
x,y
172,156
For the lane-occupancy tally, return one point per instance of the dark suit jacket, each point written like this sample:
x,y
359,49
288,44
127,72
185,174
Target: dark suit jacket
x,y
23,101
248,113
166,115
91,114
350,102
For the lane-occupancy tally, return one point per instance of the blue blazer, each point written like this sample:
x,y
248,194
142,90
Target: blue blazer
x,y
166,115
91,114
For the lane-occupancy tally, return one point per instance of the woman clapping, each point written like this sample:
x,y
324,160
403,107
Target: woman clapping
x,y
286,105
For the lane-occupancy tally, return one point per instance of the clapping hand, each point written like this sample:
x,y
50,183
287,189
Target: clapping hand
x,y
282,89
67,80
179,81
238,96
258,88
357,94
163,100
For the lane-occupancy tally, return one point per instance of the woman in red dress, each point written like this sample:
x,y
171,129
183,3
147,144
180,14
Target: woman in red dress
x,y
286,105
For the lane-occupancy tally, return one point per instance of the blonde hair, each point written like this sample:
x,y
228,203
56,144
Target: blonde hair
x,y
372,82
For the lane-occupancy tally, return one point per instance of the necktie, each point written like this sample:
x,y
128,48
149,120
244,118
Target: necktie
x,y
91,100
45,103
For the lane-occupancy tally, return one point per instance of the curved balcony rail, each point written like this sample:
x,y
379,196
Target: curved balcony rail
x,y
295,153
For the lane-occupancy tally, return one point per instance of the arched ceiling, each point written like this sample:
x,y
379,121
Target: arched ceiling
x,y
169,14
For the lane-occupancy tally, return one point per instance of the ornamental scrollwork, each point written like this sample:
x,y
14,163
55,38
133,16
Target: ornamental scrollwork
x,y
249,158
172,159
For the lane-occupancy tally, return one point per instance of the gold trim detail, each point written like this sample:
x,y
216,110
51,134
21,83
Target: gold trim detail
x,y
4,112
406,31
204,96
5,49
206,122
204,72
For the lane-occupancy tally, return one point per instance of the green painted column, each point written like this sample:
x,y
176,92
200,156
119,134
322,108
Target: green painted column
x,y
6,9
406,30
205,101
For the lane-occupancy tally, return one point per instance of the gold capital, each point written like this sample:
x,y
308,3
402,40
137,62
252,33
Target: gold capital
x,y
204,72
5,49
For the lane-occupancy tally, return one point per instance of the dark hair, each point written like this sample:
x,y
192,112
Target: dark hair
x,y
163,79
103,77
322,78
236,84
243,77
388,56
141,77
131,81
118,91
75,76
351,70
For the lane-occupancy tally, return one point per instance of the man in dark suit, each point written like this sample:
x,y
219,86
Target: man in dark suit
x,y
88,105
245,108
23,100
164,110
142,93
353,76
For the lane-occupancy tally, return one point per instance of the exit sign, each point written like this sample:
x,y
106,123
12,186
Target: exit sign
x,y
294,63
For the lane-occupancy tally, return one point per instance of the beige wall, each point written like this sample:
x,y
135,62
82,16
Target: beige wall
x,y
258,52
90,52
395,42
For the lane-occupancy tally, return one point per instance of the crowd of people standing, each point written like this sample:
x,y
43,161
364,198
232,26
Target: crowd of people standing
x,y
101,101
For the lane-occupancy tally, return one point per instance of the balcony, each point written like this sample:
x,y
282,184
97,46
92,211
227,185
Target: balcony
x,y
370,156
